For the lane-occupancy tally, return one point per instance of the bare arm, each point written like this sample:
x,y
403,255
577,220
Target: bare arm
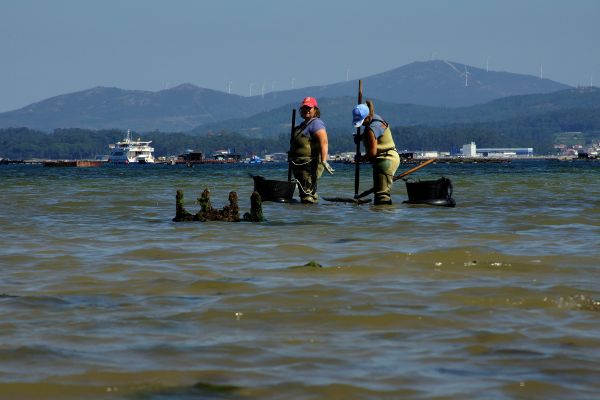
x,y
370,145
321,136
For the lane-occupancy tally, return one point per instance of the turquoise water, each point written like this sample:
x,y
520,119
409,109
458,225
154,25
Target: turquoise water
x,y
102,296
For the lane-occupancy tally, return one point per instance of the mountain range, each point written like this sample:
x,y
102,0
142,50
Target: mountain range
x,y
337,116
420,87
538,120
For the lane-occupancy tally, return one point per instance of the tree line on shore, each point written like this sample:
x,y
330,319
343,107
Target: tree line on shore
x,y
538,132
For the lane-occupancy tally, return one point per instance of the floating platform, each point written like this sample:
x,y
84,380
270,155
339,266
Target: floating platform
x,y
207,161
442,160
73,163
471,160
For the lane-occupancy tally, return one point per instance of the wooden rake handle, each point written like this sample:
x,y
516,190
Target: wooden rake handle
x,y
395,178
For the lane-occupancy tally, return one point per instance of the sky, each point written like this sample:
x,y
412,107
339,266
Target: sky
x,y
49,48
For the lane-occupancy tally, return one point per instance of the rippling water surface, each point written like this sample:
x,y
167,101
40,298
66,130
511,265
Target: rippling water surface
x,y
102,296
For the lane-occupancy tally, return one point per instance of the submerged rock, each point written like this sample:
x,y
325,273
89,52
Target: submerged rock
x,y
229,213
256,213
181,214
310,264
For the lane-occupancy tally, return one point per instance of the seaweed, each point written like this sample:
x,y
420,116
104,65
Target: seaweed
x,y
229,213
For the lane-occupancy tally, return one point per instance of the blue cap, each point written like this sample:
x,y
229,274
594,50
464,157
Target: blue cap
x,y
359,113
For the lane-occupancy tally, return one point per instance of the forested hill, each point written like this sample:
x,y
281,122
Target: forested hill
x,y
336,112
536,130
177,109
431,83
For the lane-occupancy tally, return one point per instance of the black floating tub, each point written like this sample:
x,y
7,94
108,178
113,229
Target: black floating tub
x,y
433,193
271,190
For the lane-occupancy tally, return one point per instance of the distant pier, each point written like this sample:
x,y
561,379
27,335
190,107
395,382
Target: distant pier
x,y
73,163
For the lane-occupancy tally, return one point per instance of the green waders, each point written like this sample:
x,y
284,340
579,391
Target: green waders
x,y
385,164
307,172
306,163
384,168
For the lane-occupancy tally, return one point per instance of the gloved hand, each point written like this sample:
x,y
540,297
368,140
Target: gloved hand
x,y
327,167
357,138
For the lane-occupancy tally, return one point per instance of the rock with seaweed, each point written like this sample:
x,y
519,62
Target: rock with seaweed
x,y
311,264
204,201
181,214
256,213
229,213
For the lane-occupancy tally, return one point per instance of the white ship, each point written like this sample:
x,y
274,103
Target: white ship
x,y
131,151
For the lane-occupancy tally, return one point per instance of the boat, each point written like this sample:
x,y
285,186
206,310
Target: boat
x,y
254,160
130,151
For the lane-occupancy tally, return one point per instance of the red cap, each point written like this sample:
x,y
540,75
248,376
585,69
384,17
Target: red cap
x,y
309,101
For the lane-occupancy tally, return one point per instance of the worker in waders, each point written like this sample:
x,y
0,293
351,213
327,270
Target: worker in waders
x,y
309,151
380,149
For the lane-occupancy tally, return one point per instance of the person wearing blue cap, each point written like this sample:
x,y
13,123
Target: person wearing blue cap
x,y
380,149
309,151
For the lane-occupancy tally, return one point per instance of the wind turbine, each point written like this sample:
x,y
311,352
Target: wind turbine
x,y
487,64
541,71
251,84
466,76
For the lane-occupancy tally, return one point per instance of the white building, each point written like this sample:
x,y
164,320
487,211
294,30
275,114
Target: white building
x,y
428,154
505,152
469,150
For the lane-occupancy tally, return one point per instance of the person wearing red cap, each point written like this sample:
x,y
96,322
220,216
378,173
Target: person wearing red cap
x,y
309,149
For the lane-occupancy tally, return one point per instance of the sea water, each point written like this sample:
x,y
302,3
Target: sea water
x,y
102,296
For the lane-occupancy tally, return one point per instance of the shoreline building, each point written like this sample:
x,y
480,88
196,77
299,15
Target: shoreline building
x,y
471,150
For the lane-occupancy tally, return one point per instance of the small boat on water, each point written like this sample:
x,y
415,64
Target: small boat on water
x,y
130,151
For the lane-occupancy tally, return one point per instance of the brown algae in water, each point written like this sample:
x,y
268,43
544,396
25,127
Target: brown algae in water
x,y
310,264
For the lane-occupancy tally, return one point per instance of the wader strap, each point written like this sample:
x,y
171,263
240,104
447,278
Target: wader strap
x,y
385,152
304,124
305,160
380,120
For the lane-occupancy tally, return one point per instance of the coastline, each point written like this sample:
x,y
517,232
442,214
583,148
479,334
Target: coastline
x,y
439,160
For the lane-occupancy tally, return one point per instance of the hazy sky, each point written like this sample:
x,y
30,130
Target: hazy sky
x,y
54,47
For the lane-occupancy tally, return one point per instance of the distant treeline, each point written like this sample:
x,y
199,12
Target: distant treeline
x,y
538,131
24,143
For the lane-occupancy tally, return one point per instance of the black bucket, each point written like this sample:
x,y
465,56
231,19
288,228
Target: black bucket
x,y
434,193
278,191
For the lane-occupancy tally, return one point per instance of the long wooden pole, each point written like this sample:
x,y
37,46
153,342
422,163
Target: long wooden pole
x,y
291,137
357,162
